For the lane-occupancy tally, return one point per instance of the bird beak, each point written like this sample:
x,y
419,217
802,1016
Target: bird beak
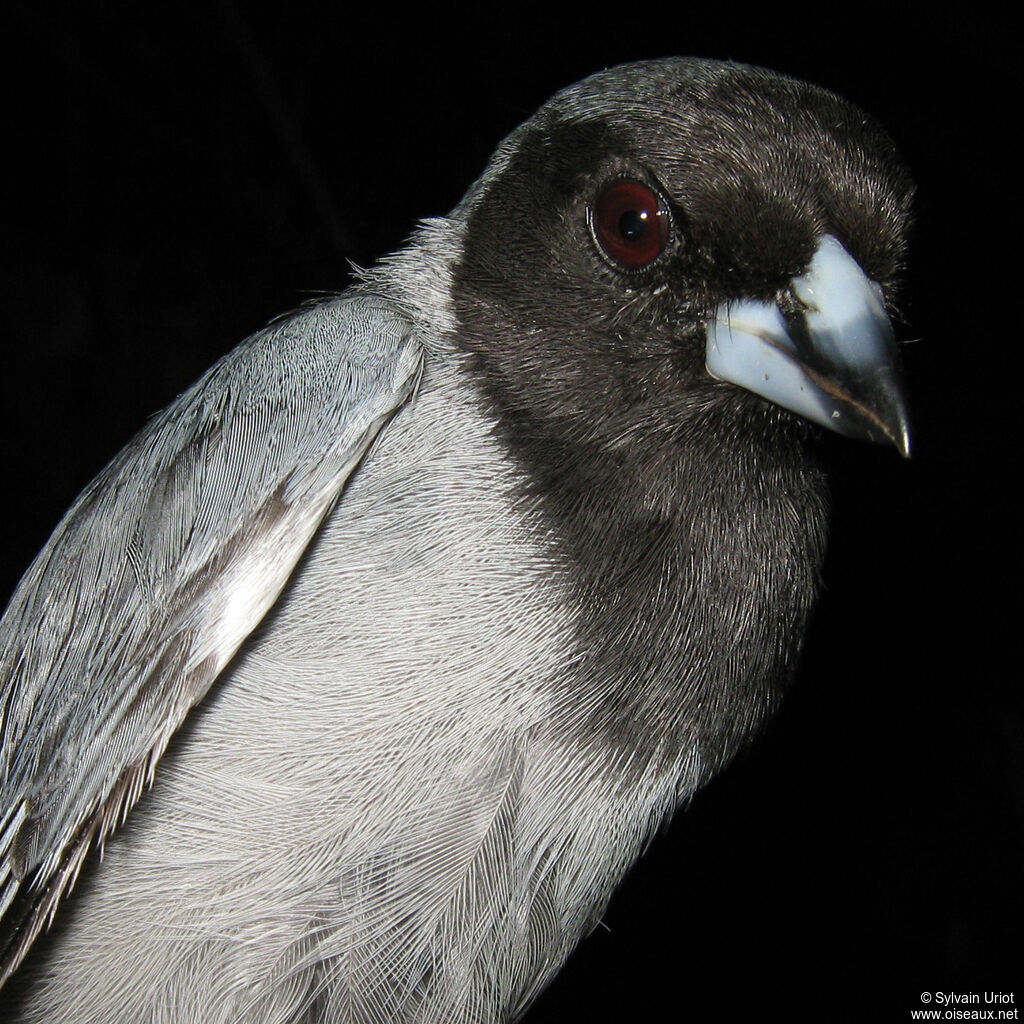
x,y
833,360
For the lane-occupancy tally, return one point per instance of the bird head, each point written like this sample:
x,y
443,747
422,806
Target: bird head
x,y
686,250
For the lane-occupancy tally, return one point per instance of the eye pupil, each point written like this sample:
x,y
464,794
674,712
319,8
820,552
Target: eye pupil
x,y
630,224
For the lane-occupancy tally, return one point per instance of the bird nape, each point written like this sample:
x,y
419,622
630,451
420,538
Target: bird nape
x,y
463,579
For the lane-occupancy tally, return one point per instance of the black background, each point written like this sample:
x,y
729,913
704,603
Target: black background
x,y
182,177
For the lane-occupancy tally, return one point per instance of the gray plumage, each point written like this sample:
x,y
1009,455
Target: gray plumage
x,y
463,580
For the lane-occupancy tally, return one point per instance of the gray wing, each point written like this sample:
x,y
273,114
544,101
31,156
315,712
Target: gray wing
x,y
160,570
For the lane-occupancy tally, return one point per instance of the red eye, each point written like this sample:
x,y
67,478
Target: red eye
x,y
630,223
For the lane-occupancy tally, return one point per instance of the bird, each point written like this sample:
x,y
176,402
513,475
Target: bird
x,y
351,688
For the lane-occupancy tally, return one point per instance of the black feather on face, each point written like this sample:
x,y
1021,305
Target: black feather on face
x,y
692,510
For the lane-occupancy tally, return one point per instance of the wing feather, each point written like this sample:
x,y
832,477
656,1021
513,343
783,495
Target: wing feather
x,y
160,570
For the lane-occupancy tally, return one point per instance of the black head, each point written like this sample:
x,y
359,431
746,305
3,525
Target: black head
x,y
751,169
